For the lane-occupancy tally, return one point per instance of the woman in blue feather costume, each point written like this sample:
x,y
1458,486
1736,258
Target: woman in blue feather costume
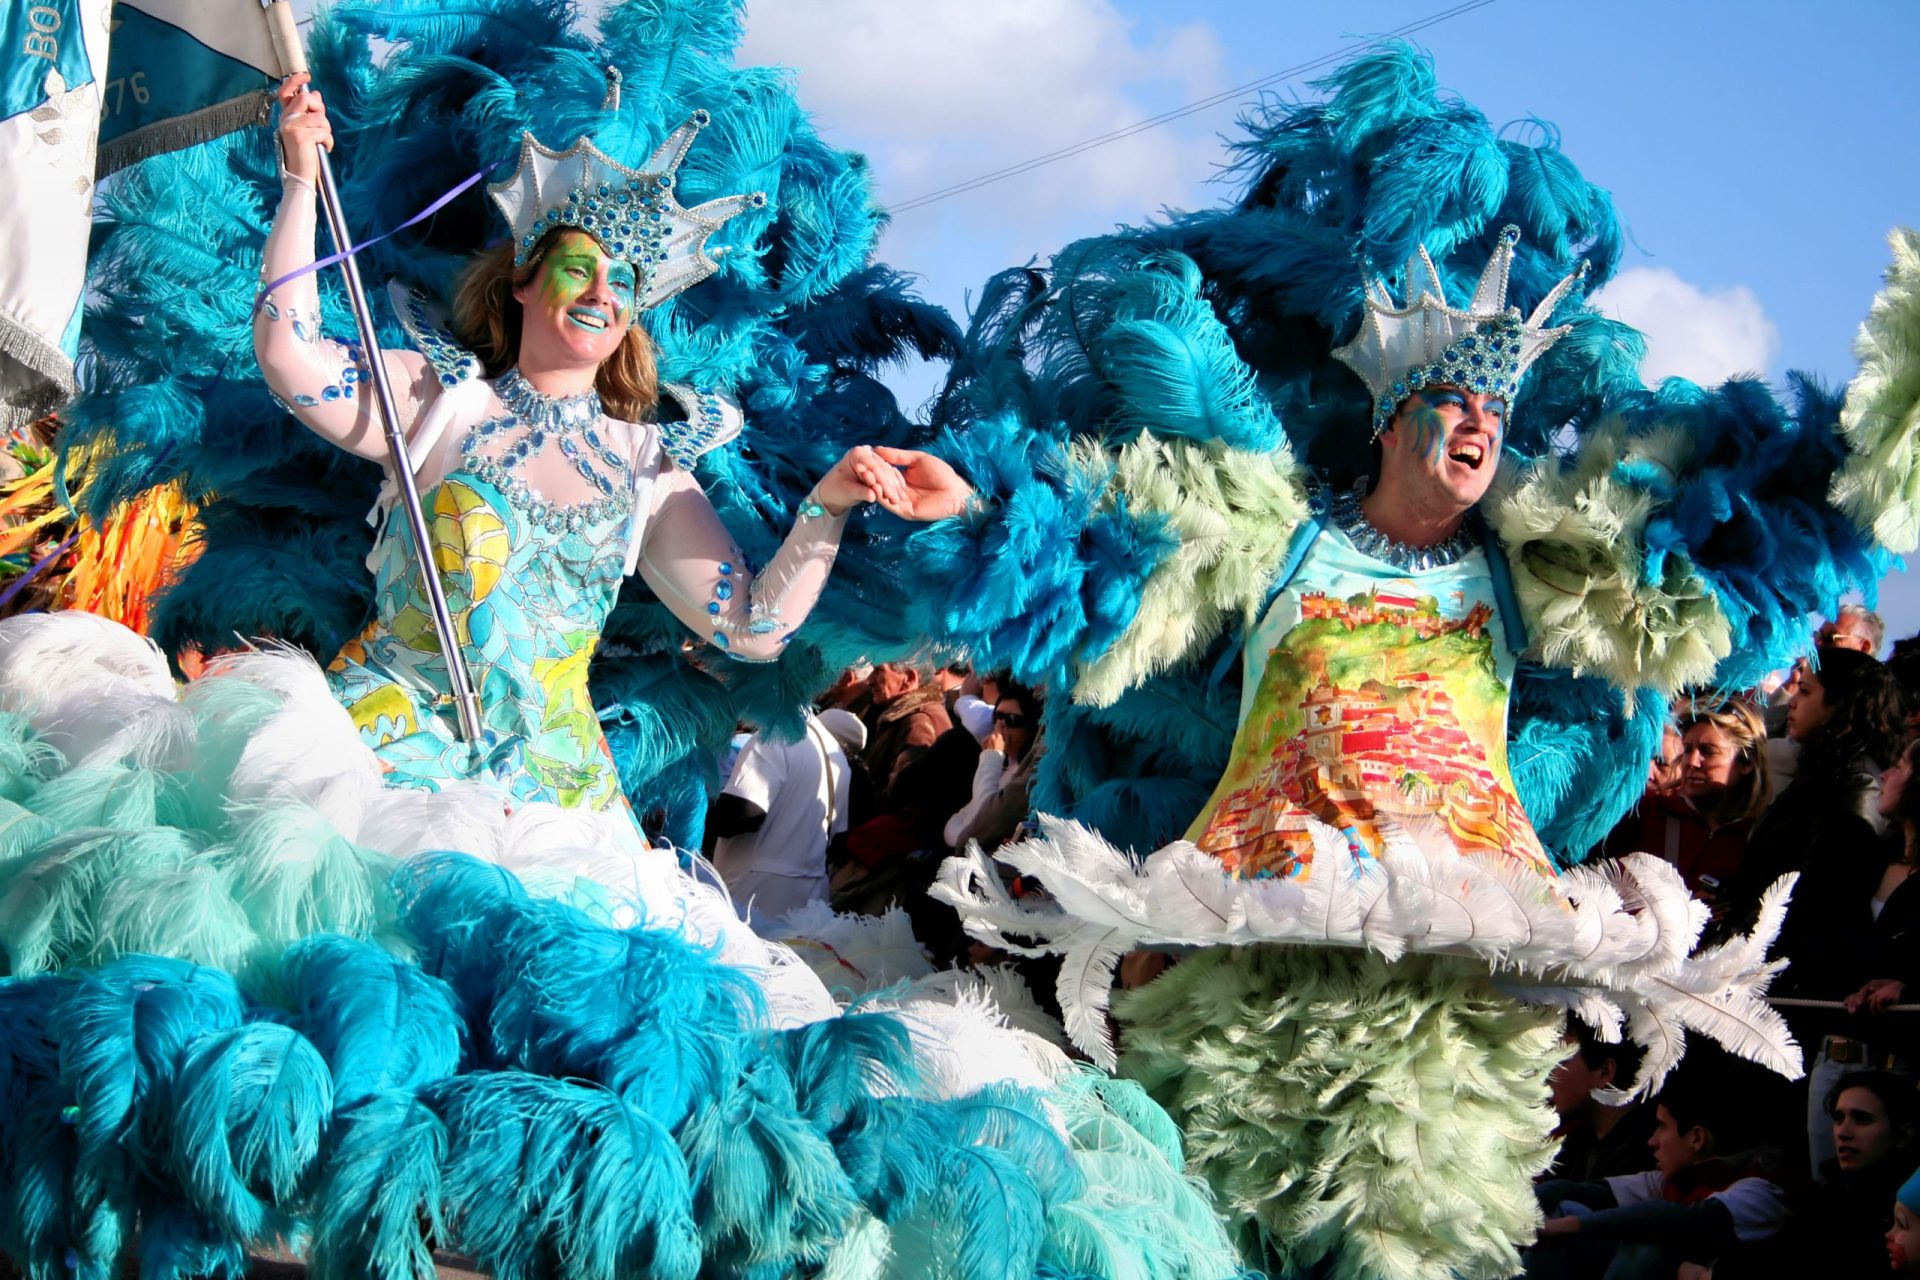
x,y
251,999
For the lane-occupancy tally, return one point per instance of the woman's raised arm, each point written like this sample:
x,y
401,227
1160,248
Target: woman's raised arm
x,y
324,383
692,564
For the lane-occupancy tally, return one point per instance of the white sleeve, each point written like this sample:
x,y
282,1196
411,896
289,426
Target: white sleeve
x,y
1632,1188
987,776
326,384
758,773
692,564
1759,1208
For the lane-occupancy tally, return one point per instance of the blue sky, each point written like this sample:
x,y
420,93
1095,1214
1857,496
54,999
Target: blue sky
x,y
1759,151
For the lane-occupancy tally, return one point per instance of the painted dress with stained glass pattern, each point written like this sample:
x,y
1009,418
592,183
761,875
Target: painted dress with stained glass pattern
x,y
529,599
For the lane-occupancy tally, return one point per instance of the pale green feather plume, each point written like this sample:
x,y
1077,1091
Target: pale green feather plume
x,y
1356,1118
1573,533
1879,485
1234,512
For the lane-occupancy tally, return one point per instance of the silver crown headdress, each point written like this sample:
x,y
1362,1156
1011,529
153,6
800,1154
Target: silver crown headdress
x,y
1485,348
632,212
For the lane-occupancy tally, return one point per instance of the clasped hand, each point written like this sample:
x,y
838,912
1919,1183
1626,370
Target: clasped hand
x,y
303,127
911,484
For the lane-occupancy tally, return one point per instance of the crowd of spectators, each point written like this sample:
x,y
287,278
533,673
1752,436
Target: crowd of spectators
x,y
1731,1172
897,766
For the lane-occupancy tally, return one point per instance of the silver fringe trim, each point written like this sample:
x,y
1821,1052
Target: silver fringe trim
x,y
35,355
190,130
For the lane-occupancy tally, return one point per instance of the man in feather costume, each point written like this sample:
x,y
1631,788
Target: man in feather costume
x,y
1392,696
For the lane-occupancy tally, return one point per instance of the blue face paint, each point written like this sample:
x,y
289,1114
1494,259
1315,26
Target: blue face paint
x,y
620,279
1429,432
1431,426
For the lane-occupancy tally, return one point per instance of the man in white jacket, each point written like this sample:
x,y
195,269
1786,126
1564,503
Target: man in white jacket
x,y
782,805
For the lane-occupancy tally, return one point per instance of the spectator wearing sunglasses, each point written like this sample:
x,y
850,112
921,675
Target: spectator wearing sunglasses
x,y
1003,756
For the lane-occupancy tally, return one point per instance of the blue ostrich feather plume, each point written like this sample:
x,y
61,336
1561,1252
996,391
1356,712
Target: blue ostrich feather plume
x,y
382,1183
124,1033
966,1182
381,1024
1579,755
549,1177
454,908
838,1062
769,1193
38,1150
650,1015
250,1108
177,1244
25,762
1751,513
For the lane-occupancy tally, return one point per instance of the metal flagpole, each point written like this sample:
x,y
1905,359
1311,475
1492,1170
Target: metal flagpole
x,y
466,702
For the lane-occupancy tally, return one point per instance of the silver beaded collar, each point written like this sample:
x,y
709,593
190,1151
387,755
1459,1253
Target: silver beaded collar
x,y
1343,509
558,414
570,423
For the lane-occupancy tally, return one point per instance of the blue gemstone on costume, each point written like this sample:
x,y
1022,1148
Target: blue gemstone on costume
x,y
726,569
305,400
273,312
329,393
720,639
713,607
299,330
723,590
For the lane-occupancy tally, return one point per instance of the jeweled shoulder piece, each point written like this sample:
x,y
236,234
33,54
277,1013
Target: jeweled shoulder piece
x,y
1485,347
712,420
632,212
427,332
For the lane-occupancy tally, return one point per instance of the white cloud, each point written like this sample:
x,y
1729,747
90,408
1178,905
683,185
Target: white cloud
x,y
938,91
1706,335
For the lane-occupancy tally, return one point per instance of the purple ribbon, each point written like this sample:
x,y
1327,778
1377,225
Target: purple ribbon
x,y
350,250
19,583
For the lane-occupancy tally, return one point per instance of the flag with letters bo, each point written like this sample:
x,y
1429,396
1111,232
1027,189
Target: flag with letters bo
x,y
86,87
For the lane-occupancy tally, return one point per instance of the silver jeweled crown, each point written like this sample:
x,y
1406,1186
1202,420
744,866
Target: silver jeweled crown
x,y
632,212
1485,348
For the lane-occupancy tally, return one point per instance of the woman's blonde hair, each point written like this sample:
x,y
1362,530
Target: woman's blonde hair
x,y
1749,795
487,318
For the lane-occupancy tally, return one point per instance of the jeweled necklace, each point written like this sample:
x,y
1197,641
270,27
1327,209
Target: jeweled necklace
x,y
1344,509
572,424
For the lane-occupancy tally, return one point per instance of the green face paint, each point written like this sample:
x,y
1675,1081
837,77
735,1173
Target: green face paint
x,y
568,272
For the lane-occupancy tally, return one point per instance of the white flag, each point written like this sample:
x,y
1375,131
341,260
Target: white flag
x,y
180,72
53,59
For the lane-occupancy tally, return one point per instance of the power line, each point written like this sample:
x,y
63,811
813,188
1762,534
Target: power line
x,y
1154,122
